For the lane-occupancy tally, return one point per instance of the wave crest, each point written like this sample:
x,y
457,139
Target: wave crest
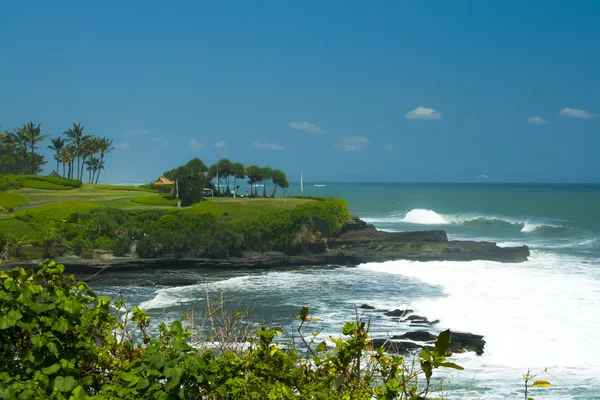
x,y
430,217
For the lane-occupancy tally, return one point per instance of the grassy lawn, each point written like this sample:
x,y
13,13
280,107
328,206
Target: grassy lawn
x,y
12,200
14,226
93,196
121,188
240,207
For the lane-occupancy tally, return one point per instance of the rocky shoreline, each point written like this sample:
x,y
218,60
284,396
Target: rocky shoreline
x,y
359,243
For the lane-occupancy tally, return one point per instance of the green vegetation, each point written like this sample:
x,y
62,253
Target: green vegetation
x,y
18,152
217,228
59,340
11,200
8,182
165,200
125,188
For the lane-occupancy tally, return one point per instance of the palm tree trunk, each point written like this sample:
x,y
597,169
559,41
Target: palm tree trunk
x,y
82,165
78,166
63,169
57,162
273,194
101,159
264,189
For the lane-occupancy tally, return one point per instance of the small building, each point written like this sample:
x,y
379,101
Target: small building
x,y
164,185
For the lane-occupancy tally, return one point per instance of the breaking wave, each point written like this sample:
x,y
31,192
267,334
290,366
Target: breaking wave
x,y
430,217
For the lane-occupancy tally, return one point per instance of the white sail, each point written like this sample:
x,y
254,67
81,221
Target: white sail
x,y
301,182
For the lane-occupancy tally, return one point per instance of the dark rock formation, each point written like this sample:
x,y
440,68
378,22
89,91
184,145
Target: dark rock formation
x,y
399,313
366,307
461,342
359,243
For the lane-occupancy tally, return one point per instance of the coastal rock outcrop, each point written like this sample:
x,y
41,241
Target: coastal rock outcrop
x,y
461,342
359,243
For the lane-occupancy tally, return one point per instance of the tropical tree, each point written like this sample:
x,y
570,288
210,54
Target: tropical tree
x,y
92,167
238,172
29,135
87,149
57,146
224,168
266,174
254,175
75,136
279,179
104,147
68,157
190,179
212,174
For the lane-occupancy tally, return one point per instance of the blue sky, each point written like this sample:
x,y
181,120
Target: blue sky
x,y
344,90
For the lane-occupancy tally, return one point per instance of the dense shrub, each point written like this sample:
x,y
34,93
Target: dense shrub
x,y
59,340
121,246
8,182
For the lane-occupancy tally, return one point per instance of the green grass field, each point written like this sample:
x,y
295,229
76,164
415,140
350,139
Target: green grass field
x,y
12,200
92,196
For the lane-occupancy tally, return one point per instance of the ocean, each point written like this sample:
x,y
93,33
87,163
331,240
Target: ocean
x,y
540,315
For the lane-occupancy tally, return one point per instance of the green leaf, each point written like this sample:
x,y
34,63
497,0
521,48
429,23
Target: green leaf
x,y
6,322
27,394
450,365
61,325
158,360
180,345
427,369
176,327
426,355
54,368
321,346
64,383
541,384
303,313
338,381
442,344
9,284
349,328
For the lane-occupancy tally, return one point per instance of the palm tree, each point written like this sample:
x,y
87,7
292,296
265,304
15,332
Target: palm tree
x,y
266,174
253,172
75,136
69,157
31,134
279,179
105,146
92,167
57,146
238,172
87,148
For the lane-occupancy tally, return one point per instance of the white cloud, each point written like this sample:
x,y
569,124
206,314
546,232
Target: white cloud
x,y
535,120
220,144
483,176
161,141
136,132
354,143
306,126
388,146
576,113
423,113
195,145
122,146
266,146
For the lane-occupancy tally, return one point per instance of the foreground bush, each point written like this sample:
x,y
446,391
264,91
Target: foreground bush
x,y
59,340
8,182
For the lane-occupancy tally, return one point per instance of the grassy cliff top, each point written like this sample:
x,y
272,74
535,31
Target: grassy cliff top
x,y
34,200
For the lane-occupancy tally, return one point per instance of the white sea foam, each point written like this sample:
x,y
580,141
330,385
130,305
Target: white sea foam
x,y
533,315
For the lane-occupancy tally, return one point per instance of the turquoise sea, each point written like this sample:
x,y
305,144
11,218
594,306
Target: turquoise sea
x,y
543,313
